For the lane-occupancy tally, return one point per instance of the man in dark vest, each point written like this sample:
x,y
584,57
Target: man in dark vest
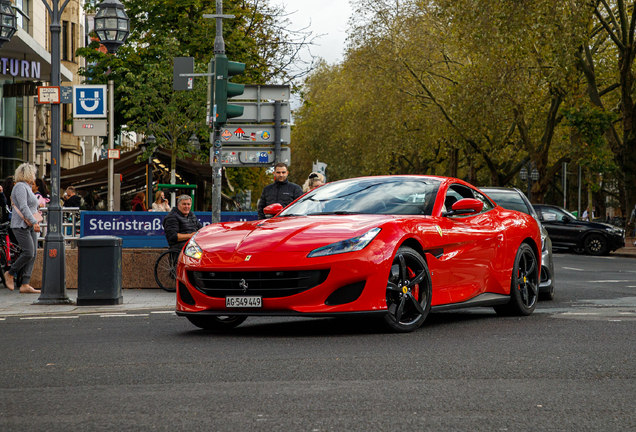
x,y
281,191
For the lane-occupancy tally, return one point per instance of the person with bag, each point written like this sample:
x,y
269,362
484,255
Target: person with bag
x,y
25,224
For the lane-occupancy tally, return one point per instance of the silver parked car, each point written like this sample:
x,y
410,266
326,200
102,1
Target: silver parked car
x,y
514,199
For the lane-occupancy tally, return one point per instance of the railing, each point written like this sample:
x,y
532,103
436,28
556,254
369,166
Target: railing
x,y
70,225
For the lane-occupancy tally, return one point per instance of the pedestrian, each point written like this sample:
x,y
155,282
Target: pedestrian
x,y
281,191
161,203
72,199
41,192
181,224
586,216
138,203
313,181
25,224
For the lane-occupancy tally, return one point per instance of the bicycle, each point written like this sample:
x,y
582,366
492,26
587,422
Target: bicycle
x,y
166,270
9,253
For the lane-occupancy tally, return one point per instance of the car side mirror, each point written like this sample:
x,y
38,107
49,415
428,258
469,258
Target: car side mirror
x,y
566,219
466,206
273,209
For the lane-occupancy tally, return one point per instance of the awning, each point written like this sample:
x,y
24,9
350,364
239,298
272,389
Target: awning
x,y
95,175
23,47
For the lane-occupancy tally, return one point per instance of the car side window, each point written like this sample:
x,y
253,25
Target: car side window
x,y
550,215
456,192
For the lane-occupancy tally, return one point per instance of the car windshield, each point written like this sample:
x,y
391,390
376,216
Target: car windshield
x,y
394,196
509,201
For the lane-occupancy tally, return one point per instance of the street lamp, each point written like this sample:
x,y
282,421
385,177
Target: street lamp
x,y
534,176
8,22
54,261
111,25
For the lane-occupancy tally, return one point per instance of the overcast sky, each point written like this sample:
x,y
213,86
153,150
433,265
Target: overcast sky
x,y
325,17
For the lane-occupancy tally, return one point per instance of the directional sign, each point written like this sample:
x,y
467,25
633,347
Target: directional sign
x,y
255,112
264,92
253,134
250,156
89,101
90,127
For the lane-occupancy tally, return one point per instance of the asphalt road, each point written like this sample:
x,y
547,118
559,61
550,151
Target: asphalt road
x,y
568,367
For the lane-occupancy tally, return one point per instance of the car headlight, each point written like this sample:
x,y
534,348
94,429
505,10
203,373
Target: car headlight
x,y
613,230
192,249
350,245
544,243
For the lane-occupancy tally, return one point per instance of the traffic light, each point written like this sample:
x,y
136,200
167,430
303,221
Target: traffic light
x,y
224,69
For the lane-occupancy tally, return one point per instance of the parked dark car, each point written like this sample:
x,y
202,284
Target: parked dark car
x,y
566,231
514,199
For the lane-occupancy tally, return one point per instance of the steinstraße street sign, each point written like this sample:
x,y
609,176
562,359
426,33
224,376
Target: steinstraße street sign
x,y
89,101
239,156
253,134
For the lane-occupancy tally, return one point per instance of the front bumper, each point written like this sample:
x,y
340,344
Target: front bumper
x,y
368,266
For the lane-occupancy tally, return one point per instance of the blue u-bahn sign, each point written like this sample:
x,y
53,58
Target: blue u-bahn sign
x,y
142,229
89,101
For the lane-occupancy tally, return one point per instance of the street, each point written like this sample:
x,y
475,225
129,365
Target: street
x,y
569,366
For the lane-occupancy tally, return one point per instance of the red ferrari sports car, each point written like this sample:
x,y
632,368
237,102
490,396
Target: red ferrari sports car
x,y
395,246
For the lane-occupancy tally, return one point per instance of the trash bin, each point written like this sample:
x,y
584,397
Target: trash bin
x,y
99,271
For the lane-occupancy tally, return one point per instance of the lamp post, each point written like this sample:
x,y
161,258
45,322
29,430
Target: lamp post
x,y
54,260
194,143
148,143
534,176
8,21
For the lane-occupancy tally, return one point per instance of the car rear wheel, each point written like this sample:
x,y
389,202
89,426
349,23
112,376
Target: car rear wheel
x,y
595,244
216,322
408,291
524,287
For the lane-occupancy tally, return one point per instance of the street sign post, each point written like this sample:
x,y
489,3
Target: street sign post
x,y
253,134
240,156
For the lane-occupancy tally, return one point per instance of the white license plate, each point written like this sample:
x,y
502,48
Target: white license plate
x,y
244,302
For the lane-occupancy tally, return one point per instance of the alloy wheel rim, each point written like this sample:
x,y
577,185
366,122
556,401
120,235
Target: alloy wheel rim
x,y
527,279
404,295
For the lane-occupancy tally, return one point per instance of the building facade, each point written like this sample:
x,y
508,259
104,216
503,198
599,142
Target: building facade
x,y
25,63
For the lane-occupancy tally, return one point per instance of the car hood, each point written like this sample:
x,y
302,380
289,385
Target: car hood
x,y
284,234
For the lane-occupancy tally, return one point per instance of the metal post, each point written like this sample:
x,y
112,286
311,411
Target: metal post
x,y
149,198
579,205
217,167
565,184
111,143
54,260
277,127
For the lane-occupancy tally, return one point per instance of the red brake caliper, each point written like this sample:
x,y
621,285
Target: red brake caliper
x,y
416,288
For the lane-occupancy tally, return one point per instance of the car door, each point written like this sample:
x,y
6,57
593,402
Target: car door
x,y
563,232
470,248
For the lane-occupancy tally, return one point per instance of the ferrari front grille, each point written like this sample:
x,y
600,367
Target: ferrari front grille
x,y
269,284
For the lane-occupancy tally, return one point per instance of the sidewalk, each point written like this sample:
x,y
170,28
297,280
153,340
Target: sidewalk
x,y
12,303
629,251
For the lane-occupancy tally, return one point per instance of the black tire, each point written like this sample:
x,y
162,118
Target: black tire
x,y
524,286
166,271
595,244
408,292
216,322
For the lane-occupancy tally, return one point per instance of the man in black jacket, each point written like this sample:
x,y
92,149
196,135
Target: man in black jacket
x,y
281,191
180,224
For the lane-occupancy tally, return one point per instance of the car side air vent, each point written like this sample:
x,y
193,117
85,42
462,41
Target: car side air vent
x,y
185,295
346,294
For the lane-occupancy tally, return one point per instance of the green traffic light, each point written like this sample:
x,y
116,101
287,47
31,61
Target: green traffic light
x,y
225,69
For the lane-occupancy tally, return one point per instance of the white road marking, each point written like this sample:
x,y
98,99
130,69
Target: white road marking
x,y
572,268
123,315
163,312
2,319
626,313
50,317
580,313
609,281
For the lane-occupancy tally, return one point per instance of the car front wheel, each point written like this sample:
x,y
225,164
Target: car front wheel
x,y
408,292
595,244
